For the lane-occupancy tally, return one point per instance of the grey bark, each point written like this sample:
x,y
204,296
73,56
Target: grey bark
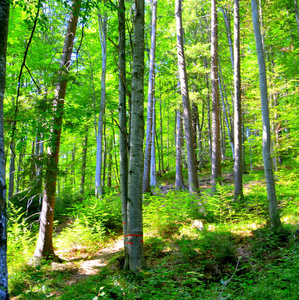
x,y
123,147
192,170
237,106
149,144
11,170
134,237
103,37
44,247
84,159
273,208
216,167
4,18
179,181
153,179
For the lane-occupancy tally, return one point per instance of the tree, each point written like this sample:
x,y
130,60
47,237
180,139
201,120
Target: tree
x,y
4,18
103,37
179,181
273,208
123,141
216,167
237,106
134,237
150,141
192,169
44,247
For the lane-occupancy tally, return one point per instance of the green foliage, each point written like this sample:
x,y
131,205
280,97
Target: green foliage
x,y
163,215
81,236
98,213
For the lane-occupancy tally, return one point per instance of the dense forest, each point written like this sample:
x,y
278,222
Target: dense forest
x,y
149,149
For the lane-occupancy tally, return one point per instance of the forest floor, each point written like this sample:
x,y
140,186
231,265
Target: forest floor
x,y
225,252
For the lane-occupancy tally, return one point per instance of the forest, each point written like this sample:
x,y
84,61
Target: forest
x,y
149,149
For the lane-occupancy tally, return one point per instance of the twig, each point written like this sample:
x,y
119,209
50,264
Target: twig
x,y
228,281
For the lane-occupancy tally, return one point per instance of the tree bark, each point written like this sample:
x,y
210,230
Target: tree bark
x,y
179,181
153,180
84,159
150,108
237,106
273,208
44,247
123,141
216,167
192,170
134,237
103,37
4,18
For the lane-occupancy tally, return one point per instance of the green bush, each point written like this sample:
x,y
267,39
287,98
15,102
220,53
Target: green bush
x,y
165,214
93,212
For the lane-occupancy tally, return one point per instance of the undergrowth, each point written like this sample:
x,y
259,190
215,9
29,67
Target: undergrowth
x,y
196,247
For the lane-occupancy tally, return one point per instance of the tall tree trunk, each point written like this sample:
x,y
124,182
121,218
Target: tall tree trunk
x,y
179,181
123,141
44,247
273,208
84,159
216,167
103,37
192,170
237,106
150,108
134,237
153,180
4,18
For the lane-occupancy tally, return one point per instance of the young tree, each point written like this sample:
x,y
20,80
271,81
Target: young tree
x,y
216,167
44,247
103,37
134,237
179,181
4,17
237,106
192,169
123,141
150,141
273,208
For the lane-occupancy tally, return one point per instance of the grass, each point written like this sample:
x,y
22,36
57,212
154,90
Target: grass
x,y
235,255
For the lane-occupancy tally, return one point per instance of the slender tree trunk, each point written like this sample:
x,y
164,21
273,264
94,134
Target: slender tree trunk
x,y
225,114
192,170
151,100
216,167
153,180
161,136
134,237
123,141
237,106
226,17
103,38
44,247
179,181
84,159
12,170
4,18
273,208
